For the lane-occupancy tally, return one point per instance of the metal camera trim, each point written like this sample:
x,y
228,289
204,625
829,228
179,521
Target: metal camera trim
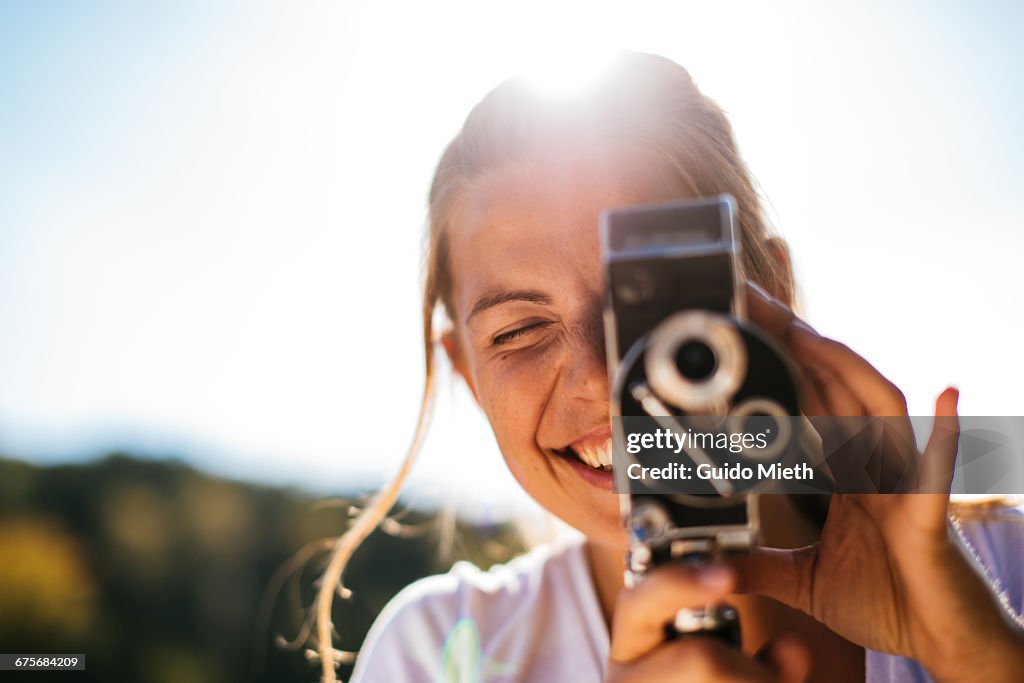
x,y
622,458
767,407
720,335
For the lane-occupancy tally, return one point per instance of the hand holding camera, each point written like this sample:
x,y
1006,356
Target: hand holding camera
x,y
639,652
689,339
887,573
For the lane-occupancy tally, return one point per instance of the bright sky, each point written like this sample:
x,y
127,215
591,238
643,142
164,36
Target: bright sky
x,y
210,212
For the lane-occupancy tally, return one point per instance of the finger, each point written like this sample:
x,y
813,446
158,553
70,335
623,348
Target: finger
x,y
812,395
938,462
867,385
837,398
770,314
642,612
822,394
940,453
783,575
699,659
788,657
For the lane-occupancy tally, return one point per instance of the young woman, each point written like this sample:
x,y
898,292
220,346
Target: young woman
x,y
882,591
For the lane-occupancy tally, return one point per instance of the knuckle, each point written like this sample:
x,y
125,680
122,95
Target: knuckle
x,y
840,346
896,396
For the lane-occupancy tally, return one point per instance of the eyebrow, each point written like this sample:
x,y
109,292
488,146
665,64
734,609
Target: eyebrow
x,y
498,298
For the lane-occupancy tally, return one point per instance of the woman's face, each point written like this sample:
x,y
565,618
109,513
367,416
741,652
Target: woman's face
x,y
529,340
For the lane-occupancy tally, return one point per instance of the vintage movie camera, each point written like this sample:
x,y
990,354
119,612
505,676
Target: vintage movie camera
x,y
683,359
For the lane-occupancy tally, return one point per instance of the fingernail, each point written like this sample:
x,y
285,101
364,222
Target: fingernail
x,y
714,577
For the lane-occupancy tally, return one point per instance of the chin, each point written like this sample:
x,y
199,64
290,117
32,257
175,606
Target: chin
x,y
600,523
586,507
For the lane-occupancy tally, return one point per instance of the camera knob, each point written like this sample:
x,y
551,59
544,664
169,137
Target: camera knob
x,y
648,520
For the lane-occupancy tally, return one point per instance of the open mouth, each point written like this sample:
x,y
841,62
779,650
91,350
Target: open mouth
x,y
597,456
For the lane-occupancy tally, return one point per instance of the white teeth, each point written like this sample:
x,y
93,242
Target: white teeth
x,y
598,456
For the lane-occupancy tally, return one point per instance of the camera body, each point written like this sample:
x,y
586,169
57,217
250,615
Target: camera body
x,y
682,355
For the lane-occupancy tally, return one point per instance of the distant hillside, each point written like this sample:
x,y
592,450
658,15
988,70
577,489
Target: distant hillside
x,y
156,571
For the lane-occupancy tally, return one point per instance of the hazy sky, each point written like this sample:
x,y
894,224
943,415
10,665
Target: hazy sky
x,y
210,212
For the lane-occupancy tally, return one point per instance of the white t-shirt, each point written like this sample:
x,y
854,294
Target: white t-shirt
x,y
538,619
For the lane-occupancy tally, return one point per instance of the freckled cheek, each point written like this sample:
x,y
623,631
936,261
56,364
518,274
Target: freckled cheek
x,y
513,395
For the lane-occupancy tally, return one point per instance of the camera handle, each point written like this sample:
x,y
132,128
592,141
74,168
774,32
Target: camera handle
x,y
719,621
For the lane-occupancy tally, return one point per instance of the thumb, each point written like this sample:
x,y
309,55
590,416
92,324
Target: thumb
x,y
787,657
940,453
938,461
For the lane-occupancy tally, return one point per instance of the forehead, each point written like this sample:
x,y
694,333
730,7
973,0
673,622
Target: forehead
x,y
536,224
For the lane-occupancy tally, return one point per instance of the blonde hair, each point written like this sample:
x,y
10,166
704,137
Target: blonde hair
x,y
644,102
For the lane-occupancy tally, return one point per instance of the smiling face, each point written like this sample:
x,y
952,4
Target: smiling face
x,y
525,265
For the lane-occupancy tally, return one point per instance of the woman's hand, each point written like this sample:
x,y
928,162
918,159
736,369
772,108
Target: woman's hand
x,y
886,573
640,653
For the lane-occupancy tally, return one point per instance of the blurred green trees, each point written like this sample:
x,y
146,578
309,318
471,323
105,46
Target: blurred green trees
x,y
157,572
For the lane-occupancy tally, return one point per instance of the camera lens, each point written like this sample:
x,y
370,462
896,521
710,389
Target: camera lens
x,y
696,361
765,417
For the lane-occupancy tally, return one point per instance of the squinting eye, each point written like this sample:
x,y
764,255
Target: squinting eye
x,y
506,337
